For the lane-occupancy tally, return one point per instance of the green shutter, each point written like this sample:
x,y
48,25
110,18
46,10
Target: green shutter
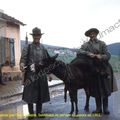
x,y
12,52
2,50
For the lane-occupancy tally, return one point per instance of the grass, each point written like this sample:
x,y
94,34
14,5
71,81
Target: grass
x,y
115,62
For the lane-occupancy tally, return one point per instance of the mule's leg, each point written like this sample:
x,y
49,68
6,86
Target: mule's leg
x,y
76,101
98,105
86,108
65,93
72,102
72,107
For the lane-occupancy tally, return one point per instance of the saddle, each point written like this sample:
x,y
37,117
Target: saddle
x,y
96,67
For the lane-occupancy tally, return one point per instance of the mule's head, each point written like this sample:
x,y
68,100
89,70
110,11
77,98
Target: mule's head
x,y
47,64
50,60
43,64
54,66
51,65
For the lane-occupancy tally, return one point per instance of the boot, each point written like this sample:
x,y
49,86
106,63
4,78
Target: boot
x,y
39,110
31,112
105,106
98,105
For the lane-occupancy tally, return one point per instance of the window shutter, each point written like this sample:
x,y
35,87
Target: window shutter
x,y
12,52
2,50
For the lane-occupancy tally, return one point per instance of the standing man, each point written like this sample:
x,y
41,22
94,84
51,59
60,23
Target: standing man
x,y
100,86
35,89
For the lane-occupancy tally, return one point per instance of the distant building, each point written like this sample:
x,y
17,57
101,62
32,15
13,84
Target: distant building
x,y
10,48
56,51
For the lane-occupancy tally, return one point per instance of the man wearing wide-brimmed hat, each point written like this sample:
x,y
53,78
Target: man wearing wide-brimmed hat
x,y
100,86
35,89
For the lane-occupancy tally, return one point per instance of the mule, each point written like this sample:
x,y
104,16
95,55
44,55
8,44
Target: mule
x,y
74,76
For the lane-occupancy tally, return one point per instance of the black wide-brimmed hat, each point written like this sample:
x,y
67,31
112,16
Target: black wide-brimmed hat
x,y
36,31
87,33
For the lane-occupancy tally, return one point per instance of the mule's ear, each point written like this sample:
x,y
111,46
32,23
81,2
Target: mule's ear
x,y
55,56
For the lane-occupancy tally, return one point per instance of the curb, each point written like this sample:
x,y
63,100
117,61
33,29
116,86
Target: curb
x,y
20,93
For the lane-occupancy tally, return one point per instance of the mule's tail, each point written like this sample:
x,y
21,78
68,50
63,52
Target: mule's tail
x,y
65,94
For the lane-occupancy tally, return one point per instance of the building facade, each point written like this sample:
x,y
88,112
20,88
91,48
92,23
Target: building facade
x,y
10,49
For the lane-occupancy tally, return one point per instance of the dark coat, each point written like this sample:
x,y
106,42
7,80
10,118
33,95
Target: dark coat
x,y
101,85
34,89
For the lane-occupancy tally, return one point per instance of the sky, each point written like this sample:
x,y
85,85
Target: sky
x,y
64,22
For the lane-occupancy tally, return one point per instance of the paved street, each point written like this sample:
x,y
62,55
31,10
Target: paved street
x,y
56,109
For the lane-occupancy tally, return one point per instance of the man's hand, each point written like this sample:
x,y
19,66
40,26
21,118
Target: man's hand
x,y
98,56
32,67
22,67
91,55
